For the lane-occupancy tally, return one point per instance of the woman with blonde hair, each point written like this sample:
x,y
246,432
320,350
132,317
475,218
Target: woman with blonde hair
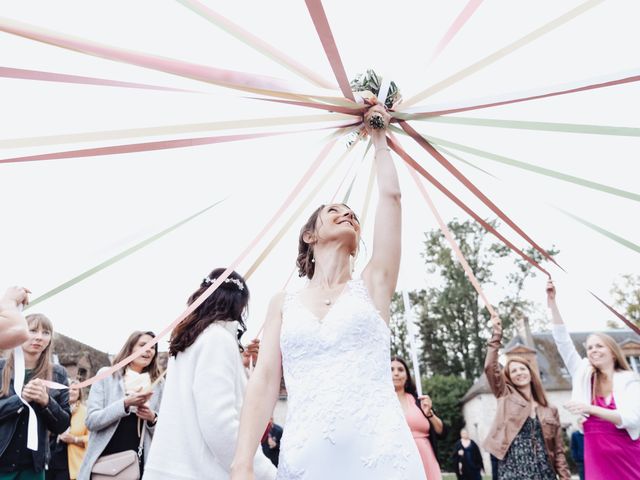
x,y
51,406
607,392
121,410
526,436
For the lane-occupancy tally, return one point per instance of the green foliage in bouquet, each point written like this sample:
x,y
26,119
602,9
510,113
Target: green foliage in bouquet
x,y
371,81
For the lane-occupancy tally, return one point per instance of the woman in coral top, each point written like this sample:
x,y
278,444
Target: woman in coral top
x,y
424,423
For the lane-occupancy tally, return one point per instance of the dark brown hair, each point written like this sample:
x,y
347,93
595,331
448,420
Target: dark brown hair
x,y
228,302
304,262
409,385
43,368
153,369
537,390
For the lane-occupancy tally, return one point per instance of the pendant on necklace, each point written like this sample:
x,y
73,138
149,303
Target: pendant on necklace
x,y
327,301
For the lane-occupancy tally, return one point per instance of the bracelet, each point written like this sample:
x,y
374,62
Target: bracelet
x,y
383,148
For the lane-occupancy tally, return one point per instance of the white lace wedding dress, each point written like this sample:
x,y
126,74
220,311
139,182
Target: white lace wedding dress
x,y
344,421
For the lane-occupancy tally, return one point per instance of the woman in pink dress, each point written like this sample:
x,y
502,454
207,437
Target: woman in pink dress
x,y
423,422
607,392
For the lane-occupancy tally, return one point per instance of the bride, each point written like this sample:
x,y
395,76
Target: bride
x,y
331,340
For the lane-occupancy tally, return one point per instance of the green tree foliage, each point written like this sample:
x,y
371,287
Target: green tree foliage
x,y
446,392
626,295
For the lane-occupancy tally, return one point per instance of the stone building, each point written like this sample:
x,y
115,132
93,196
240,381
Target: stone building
x,y
479,404
80,360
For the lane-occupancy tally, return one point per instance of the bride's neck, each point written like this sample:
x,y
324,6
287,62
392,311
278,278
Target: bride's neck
x,y
332,267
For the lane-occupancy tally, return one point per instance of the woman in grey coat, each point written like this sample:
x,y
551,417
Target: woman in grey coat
x,y
122,405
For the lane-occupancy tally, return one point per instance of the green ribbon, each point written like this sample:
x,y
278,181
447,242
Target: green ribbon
x,y
117,258
542,126
534,168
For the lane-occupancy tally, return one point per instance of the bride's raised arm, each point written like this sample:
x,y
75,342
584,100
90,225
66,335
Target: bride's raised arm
x,y
381,273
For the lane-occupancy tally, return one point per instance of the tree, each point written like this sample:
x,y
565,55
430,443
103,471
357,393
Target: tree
x,y
626,295
451,323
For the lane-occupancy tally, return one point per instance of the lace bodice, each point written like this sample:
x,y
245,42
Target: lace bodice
x,y
343,416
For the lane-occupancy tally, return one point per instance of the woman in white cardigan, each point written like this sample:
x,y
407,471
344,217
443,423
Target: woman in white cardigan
x,y
607,392
199,417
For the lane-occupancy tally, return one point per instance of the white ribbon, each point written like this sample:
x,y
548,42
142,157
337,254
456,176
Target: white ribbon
x,y
409,319
18,383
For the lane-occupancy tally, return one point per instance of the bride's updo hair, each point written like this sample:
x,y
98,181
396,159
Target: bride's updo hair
x,y
304,262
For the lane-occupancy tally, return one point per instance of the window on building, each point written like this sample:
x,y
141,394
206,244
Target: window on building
x,y
634,362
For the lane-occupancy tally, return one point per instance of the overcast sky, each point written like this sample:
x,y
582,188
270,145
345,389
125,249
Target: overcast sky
x,y
62,217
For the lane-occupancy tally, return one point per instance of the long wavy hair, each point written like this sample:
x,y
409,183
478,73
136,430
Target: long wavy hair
x,y
619,361
229,302
537,390
409,384
44,367
129,346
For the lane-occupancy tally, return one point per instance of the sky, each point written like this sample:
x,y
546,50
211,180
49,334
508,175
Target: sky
x,y
62,217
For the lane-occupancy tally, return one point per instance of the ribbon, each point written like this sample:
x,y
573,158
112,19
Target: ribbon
x,y
455,27
168,130
627,322
452,242
23,74
539,170
116,258
416,166
347,194
18,384
256,43
540,126
470,186
616,238
259,84
144,147
460,159
602,82
409,320
221,278
353,110
479,65
330,48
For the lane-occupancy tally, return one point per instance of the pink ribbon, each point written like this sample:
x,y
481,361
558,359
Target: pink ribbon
x,y
456,26
322,106
452,242
329,44
9,72
226,78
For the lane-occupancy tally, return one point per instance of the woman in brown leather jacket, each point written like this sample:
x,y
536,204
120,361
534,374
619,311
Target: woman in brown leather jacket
x,y
525,436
